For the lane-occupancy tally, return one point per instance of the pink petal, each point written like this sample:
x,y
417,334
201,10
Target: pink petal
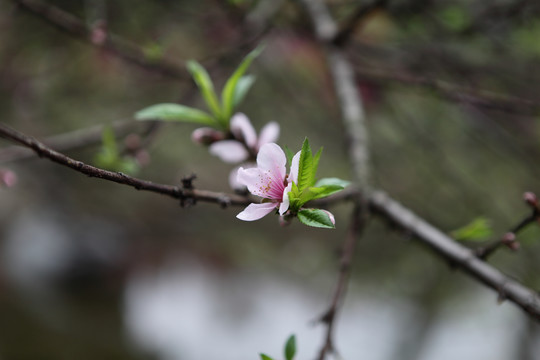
x,y
243,130
269,133
233,178
230,151
284,206
272,160
256,211
7,178
260,184
295,162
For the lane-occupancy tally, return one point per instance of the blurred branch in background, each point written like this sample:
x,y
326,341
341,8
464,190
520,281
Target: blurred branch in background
x,y
101,38
453,92
74,139
354,121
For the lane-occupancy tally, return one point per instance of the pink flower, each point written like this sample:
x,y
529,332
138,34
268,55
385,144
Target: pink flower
x,y
246,143
268,180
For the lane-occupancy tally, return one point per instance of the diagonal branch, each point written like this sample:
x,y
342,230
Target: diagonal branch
x,y
173,191
457,254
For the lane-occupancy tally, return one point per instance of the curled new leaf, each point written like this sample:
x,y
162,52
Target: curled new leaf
x,y
204,83
230,91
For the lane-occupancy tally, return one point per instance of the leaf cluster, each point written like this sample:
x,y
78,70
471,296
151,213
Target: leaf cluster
x,y
307,189
219,110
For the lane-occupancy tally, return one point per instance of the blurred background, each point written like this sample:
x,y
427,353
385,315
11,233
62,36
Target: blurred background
x,y
90,269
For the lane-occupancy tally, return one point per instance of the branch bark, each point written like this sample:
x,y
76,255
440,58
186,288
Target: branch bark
x,y
173,191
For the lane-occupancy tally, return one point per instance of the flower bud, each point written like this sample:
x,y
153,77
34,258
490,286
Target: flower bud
x,y
530,198
206,136
7,178
509,239
132,142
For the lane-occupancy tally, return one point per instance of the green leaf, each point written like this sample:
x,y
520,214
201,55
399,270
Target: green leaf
x,y
313,193
109,140
242,88
316,164
203,81
290,348
316,218
265,357
332,181
306,176
175,112
477,230
230,89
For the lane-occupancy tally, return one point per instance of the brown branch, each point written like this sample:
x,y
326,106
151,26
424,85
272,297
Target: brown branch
x,y
173,191
474,97
347,253
457,254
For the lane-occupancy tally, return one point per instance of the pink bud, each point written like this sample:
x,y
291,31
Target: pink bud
x,y
98,34
530,198
132,142
7,178
206,136
142,157
509,239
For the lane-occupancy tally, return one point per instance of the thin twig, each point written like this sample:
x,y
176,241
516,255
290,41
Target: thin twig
x,y
347,253
173,191
475,97
509,238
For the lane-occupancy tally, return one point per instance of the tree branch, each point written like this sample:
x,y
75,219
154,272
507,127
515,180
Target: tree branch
x,y
457,254
354,121
380,204
173,191
347,253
